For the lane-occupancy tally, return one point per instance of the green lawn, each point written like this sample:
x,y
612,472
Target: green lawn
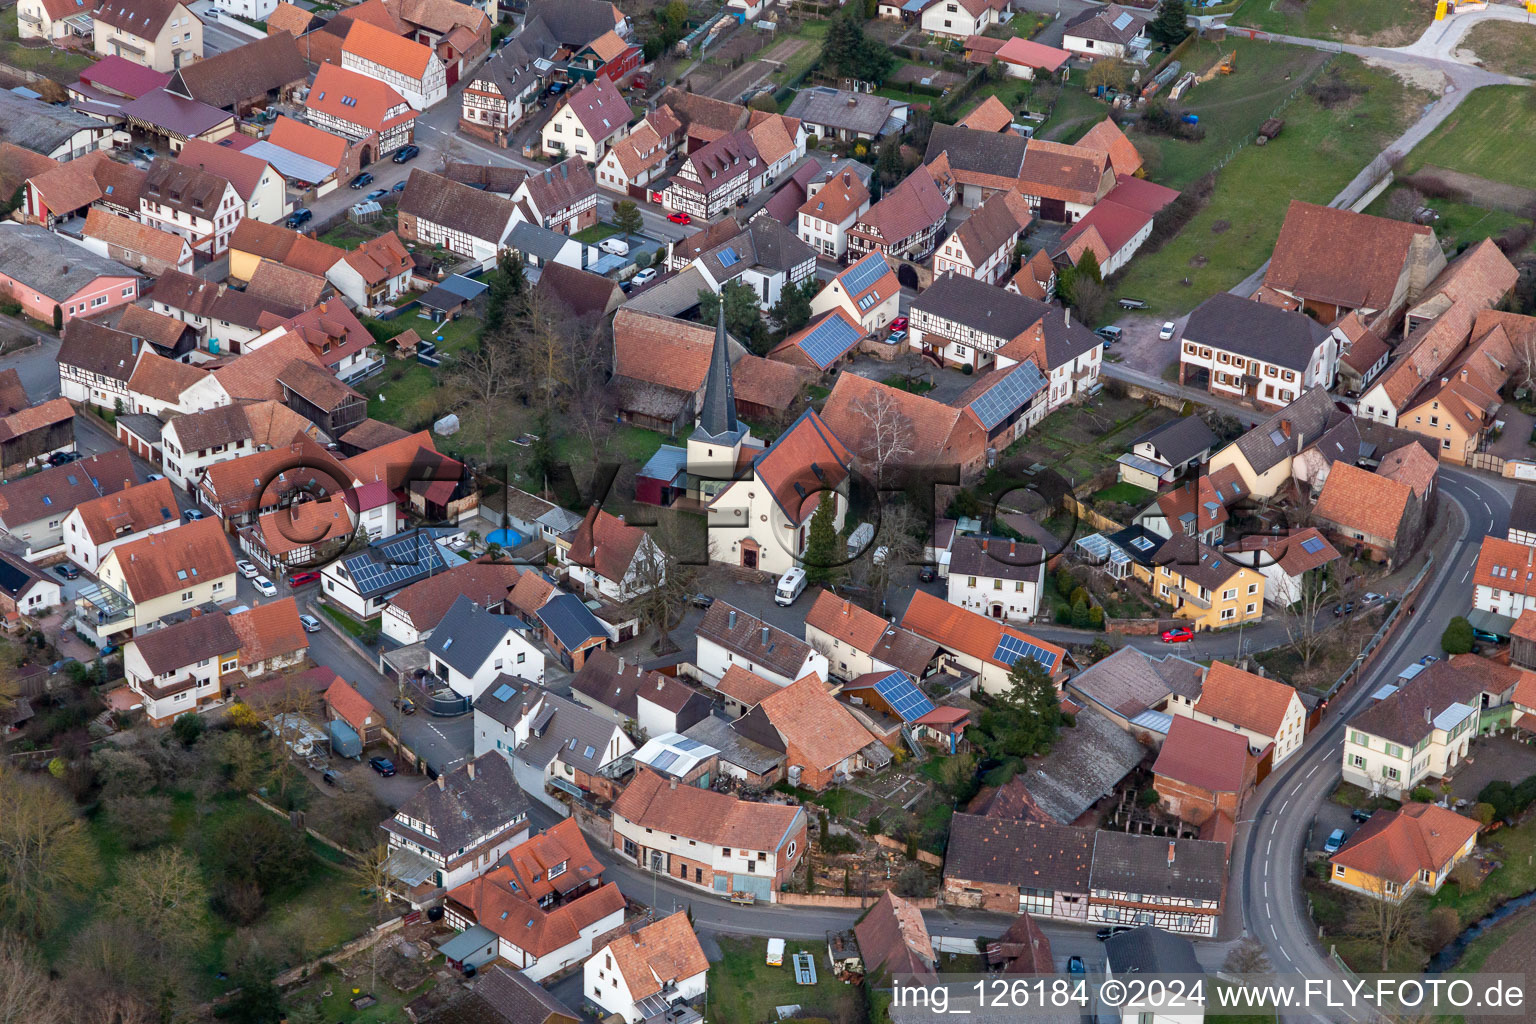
x,y
1128,494
349,234
1516,848
813,32
596,233
343,620
412,397
743,989
1460,224
389,1009
1318,154
1506,47
63,66
1492,134
1230,107
1380,22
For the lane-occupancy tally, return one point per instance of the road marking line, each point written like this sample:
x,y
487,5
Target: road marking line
x,y
1266,887
1285,954
1273,932
1465,575
1286,804
1313,769
1269,848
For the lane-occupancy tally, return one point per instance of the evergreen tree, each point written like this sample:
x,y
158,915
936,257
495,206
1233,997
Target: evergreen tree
x,y
1080,615
888,166
793,310
1087,268
821,543
627,217
743,316
1169,25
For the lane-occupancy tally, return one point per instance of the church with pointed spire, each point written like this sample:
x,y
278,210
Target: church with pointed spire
x,y
715,448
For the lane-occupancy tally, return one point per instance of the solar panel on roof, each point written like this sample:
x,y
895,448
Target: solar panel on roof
x,y
1121,22
905,699
504,692
1008,395
828,341
1312,545
861,275
687,743
729,257
1011,648
664,760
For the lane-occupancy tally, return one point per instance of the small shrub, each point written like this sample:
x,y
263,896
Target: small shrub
x,y
1331,90
187,728
913,881
1440,928
1423,795
1483,813
1147,797
874,827
832,845
1457,638
1467,876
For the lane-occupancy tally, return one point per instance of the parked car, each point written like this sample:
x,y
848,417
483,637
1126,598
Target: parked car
x,y
331,776
1167,330
405,153
265,586
310,623
362,179
1371,600
1485,636
299,216
63,458
68,570
153,477
108,651
147,152
376,195
899,324
1341,610
556,88
1178,635
680,218
1360,814
212,12
192,515
702,600
896,337
1114,929
247,569
645,276
383,765
1429,659
1334,841
405,704
1133,304
927,574
299,579
1076,966
1109,334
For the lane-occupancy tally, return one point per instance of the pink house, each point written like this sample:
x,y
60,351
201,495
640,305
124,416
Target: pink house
x,y
42,270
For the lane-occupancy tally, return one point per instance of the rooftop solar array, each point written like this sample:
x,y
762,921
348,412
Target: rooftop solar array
x,y
504,692
1008,395
687,743
395,563
1121,22
904,698
664,760
1312,545
829,340
729,257
1011,648
865,273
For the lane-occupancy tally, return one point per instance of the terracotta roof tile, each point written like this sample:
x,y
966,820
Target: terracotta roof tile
x,y
1245,699
129,511
164,379
745,687
165,563
395,52
905,210
813,725
1355,499
1107,138
845,621
606,544
134,236
658,955
1410,465
357,99
1397,845
1053,170
268,631
254,373
1205,756
315,523
1507,566
661,350
1340,256
940,433
704,815
561,843
839,198
307,140
426,602
530,592
965,631
520,920
892,936
773,135
988,116
805,461
157,328
287,285
351,706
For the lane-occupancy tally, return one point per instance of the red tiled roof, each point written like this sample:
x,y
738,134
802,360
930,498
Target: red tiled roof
x,y
806,461
845,621
269,630
1339,256
989,115
515,917
1107,138
1245,699
1355,499
606,544
1205,756
1505,565
744,687
965,631
164,563
397,53
816,727
701,814
357,99
1397,845
658,955
350,706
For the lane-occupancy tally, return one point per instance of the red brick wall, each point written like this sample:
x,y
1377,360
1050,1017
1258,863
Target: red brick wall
x,y
1194,804
1002,899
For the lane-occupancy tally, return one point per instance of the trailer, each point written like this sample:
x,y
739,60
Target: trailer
x,y
1269,129
775,952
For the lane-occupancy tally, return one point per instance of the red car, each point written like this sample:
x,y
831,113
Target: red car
x,y
899,324
298,579
679,218
1178,635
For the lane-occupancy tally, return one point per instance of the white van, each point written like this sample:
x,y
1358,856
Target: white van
x,y
616,246
791,586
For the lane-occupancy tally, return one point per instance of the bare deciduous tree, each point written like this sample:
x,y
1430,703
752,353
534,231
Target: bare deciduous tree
x,y
1385,917
1248,957
484,375
1306,620
661,580
1525,357
27,994
163,893
46,856
888,434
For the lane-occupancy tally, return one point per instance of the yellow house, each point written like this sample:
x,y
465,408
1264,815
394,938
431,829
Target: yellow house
x,y
1204,586
1263,456
1396,853
146,580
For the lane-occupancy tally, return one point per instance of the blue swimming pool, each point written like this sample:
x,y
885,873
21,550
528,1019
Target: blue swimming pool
x,y
506,538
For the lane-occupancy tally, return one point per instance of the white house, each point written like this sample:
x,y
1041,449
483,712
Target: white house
x,y
868,291
457,828
638,974
1107,31
1285,560
176,669
550,742
1151,950
1504,581
537,938
255,10
1250,350
587,122
729,637
1266,711
198,205
982,246
607,556
413,70
957,19
1419,731
376,273
167,387
998,578
435,210
95,527
471,648
833,205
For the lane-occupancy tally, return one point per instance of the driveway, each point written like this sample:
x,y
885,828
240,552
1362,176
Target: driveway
x,y
1141,349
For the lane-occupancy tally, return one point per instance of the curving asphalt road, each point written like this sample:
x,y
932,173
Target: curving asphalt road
x,y
1268,883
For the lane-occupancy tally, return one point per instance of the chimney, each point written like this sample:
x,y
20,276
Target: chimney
x,y
847,609
1428,719
1171,848
1012,548
983,543
765,636
1285,427
731,620
1068,312
659,685
621,664
442,781
469,769
674,784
